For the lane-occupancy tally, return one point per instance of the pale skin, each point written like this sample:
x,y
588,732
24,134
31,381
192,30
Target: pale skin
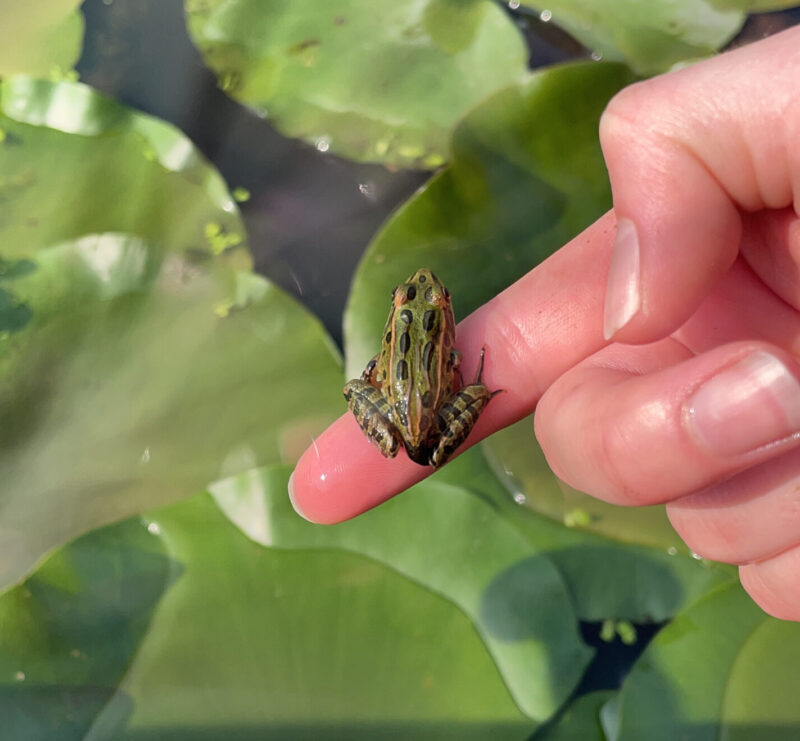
x,y
697,271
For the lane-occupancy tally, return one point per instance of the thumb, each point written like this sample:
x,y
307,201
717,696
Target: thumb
x,y
686,153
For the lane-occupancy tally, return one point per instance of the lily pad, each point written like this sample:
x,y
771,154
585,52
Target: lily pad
x,y
137,364
139,379
73,162
70,630
41,38
614,577
705,676
650,36
755,6
520,463
245,643
372,80
454,543
580,721
527,174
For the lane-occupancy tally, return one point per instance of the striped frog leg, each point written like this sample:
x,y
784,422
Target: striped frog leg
x,y
373,414
458,415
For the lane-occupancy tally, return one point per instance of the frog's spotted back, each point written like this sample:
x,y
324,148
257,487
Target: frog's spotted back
x,y
408,391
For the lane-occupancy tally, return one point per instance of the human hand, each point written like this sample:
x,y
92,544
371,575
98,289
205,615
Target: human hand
x,y
697,268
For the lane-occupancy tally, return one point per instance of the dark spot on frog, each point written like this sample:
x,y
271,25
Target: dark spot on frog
x,y
406,316
427,400
422,278
427,355
424,423
405,342
411,293
388,338
428,320
402,370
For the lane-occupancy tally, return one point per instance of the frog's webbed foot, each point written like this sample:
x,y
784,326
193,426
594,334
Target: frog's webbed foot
x,y
374,415
458,416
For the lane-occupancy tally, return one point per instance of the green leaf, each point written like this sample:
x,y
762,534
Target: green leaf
x,y
141,379
721,669
74,162
620,562
652,35
372,80
247,643
580,721
139,366
520,464
755,6
40,38
527,175
69,632
451,541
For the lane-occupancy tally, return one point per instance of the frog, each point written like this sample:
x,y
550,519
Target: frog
x,y
412,393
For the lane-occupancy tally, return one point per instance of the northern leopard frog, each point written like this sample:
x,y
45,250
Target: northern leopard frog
x,y
408,393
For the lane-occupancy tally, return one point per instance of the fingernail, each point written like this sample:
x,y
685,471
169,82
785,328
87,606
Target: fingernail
x,y
290,487
623,299
745,406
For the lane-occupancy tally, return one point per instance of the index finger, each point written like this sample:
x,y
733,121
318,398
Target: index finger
x,y
533,331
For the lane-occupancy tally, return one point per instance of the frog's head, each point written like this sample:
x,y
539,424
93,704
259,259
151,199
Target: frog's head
x,y
427,285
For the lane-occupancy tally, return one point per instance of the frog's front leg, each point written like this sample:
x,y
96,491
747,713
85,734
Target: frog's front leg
x,y
373,414
458,415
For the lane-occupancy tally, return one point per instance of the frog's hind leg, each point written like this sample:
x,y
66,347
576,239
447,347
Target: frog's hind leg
x,y
458,416
374,416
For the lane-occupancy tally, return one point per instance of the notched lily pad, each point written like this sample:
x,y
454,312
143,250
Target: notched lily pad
x,y
446,538
251,642
372,80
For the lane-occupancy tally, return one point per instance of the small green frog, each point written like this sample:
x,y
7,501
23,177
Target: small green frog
x,y
407,393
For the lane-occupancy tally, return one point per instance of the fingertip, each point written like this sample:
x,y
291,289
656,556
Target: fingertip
x,y
342,475
293,499
773,584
